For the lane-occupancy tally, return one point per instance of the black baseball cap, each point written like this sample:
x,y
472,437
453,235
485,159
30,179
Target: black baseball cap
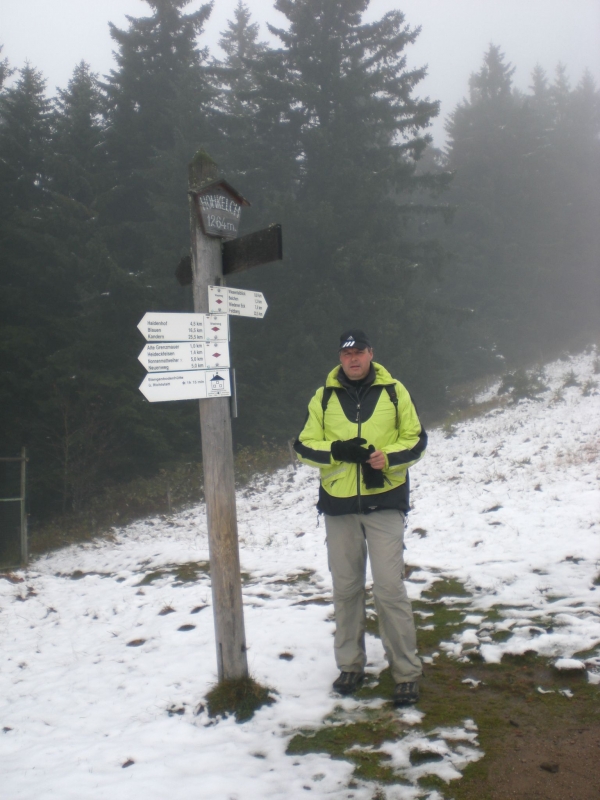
x,y
354,338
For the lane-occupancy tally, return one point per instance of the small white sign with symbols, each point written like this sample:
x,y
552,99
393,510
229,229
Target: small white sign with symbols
x,y
157,326
193,385
177,356
236,302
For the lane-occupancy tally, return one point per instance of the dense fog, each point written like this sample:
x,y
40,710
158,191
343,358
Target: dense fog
x,y
476,260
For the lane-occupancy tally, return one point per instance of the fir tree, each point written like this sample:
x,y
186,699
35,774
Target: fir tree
x,y
572,200
24,139
26,254
156,98
242,48
159,109
24,190
5,70
158,101
66,306
338,134
78,132
523,233
238,104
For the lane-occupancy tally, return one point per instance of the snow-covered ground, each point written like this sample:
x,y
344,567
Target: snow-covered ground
x,y
107,654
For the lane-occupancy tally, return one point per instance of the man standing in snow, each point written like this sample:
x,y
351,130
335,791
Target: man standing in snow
x,y
362,431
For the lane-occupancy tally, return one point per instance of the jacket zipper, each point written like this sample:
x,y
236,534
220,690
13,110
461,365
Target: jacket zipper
x,y
359,423
358,465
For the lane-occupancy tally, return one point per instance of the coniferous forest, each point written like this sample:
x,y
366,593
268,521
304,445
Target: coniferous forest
x,y
461,263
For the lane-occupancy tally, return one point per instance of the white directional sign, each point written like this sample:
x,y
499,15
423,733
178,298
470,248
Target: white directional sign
x,y
177,356
157,326
193,385
236,302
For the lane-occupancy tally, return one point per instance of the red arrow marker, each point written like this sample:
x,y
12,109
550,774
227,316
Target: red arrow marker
x,y
216,355
216,328
219,301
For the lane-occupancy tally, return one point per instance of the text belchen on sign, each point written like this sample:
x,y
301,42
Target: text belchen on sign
x,y
236,302
219,207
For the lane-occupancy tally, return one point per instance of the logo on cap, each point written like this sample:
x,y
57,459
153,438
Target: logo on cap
x,y
349,343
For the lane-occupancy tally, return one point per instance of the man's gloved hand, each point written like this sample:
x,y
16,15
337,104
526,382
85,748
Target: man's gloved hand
x,y
373,478
350,451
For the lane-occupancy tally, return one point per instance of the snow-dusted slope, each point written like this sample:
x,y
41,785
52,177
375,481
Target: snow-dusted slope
x,y
94,676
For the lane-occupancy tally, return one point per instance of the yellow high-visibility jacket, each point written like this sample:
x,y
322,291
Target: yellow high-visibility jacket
x,y
367,411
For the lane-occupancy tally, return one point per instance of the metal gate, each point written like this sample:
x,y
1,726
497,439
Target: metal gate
x,y
13,516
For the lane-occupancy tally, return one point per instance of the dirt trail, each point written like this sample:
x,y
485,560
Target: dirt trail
x,y
542,765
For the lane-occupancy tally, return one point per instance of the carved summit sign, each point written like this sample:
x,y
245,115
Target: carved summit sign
x,y
219,207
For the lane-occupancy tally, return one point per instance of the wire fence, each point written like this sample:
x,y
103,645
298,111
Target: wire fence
x,y
13,515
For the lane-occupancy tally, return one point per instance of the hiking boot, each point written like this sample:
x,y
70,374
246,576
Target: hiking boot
x,y
348,682
406,694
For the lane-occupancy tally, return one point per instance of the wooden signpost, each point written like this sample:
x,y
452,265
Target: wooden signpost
x,y
217,453
210,221
187,357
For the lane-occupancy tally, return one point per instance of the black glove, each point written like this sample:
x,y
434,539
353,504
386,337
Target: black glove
x,y
373,478
350,451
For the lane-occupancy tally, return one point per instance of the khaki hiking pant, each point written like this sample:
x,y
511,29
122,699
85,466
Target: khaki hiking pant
x,y
349,537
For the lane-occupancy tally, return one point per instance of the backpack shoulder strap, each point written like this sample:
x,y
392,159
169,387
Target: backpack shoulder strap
x,y
391,390
327,392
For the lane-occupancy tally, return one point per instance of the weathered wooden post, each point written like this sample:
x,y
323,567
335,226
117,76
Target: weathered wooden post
x,y
217,457
179,355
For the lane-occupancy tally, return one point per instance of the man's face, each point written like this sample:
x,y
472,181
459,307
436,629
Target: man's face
x,y
356,363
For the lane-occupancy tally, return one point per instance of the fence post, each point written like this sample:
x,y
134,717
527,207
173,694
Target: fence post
x,y
24,548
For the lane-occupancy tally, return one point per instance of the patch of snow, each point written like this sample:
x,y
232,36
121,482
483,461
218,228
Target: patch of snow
x,y
569,664
107,654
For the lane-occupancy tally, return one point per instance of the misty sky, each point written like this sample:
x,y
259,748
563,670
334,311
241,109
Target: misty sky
x,y
54,35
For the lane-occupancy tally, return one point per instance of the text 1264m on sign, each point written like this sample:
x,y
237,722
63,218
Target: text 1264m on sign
x,y
219,206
